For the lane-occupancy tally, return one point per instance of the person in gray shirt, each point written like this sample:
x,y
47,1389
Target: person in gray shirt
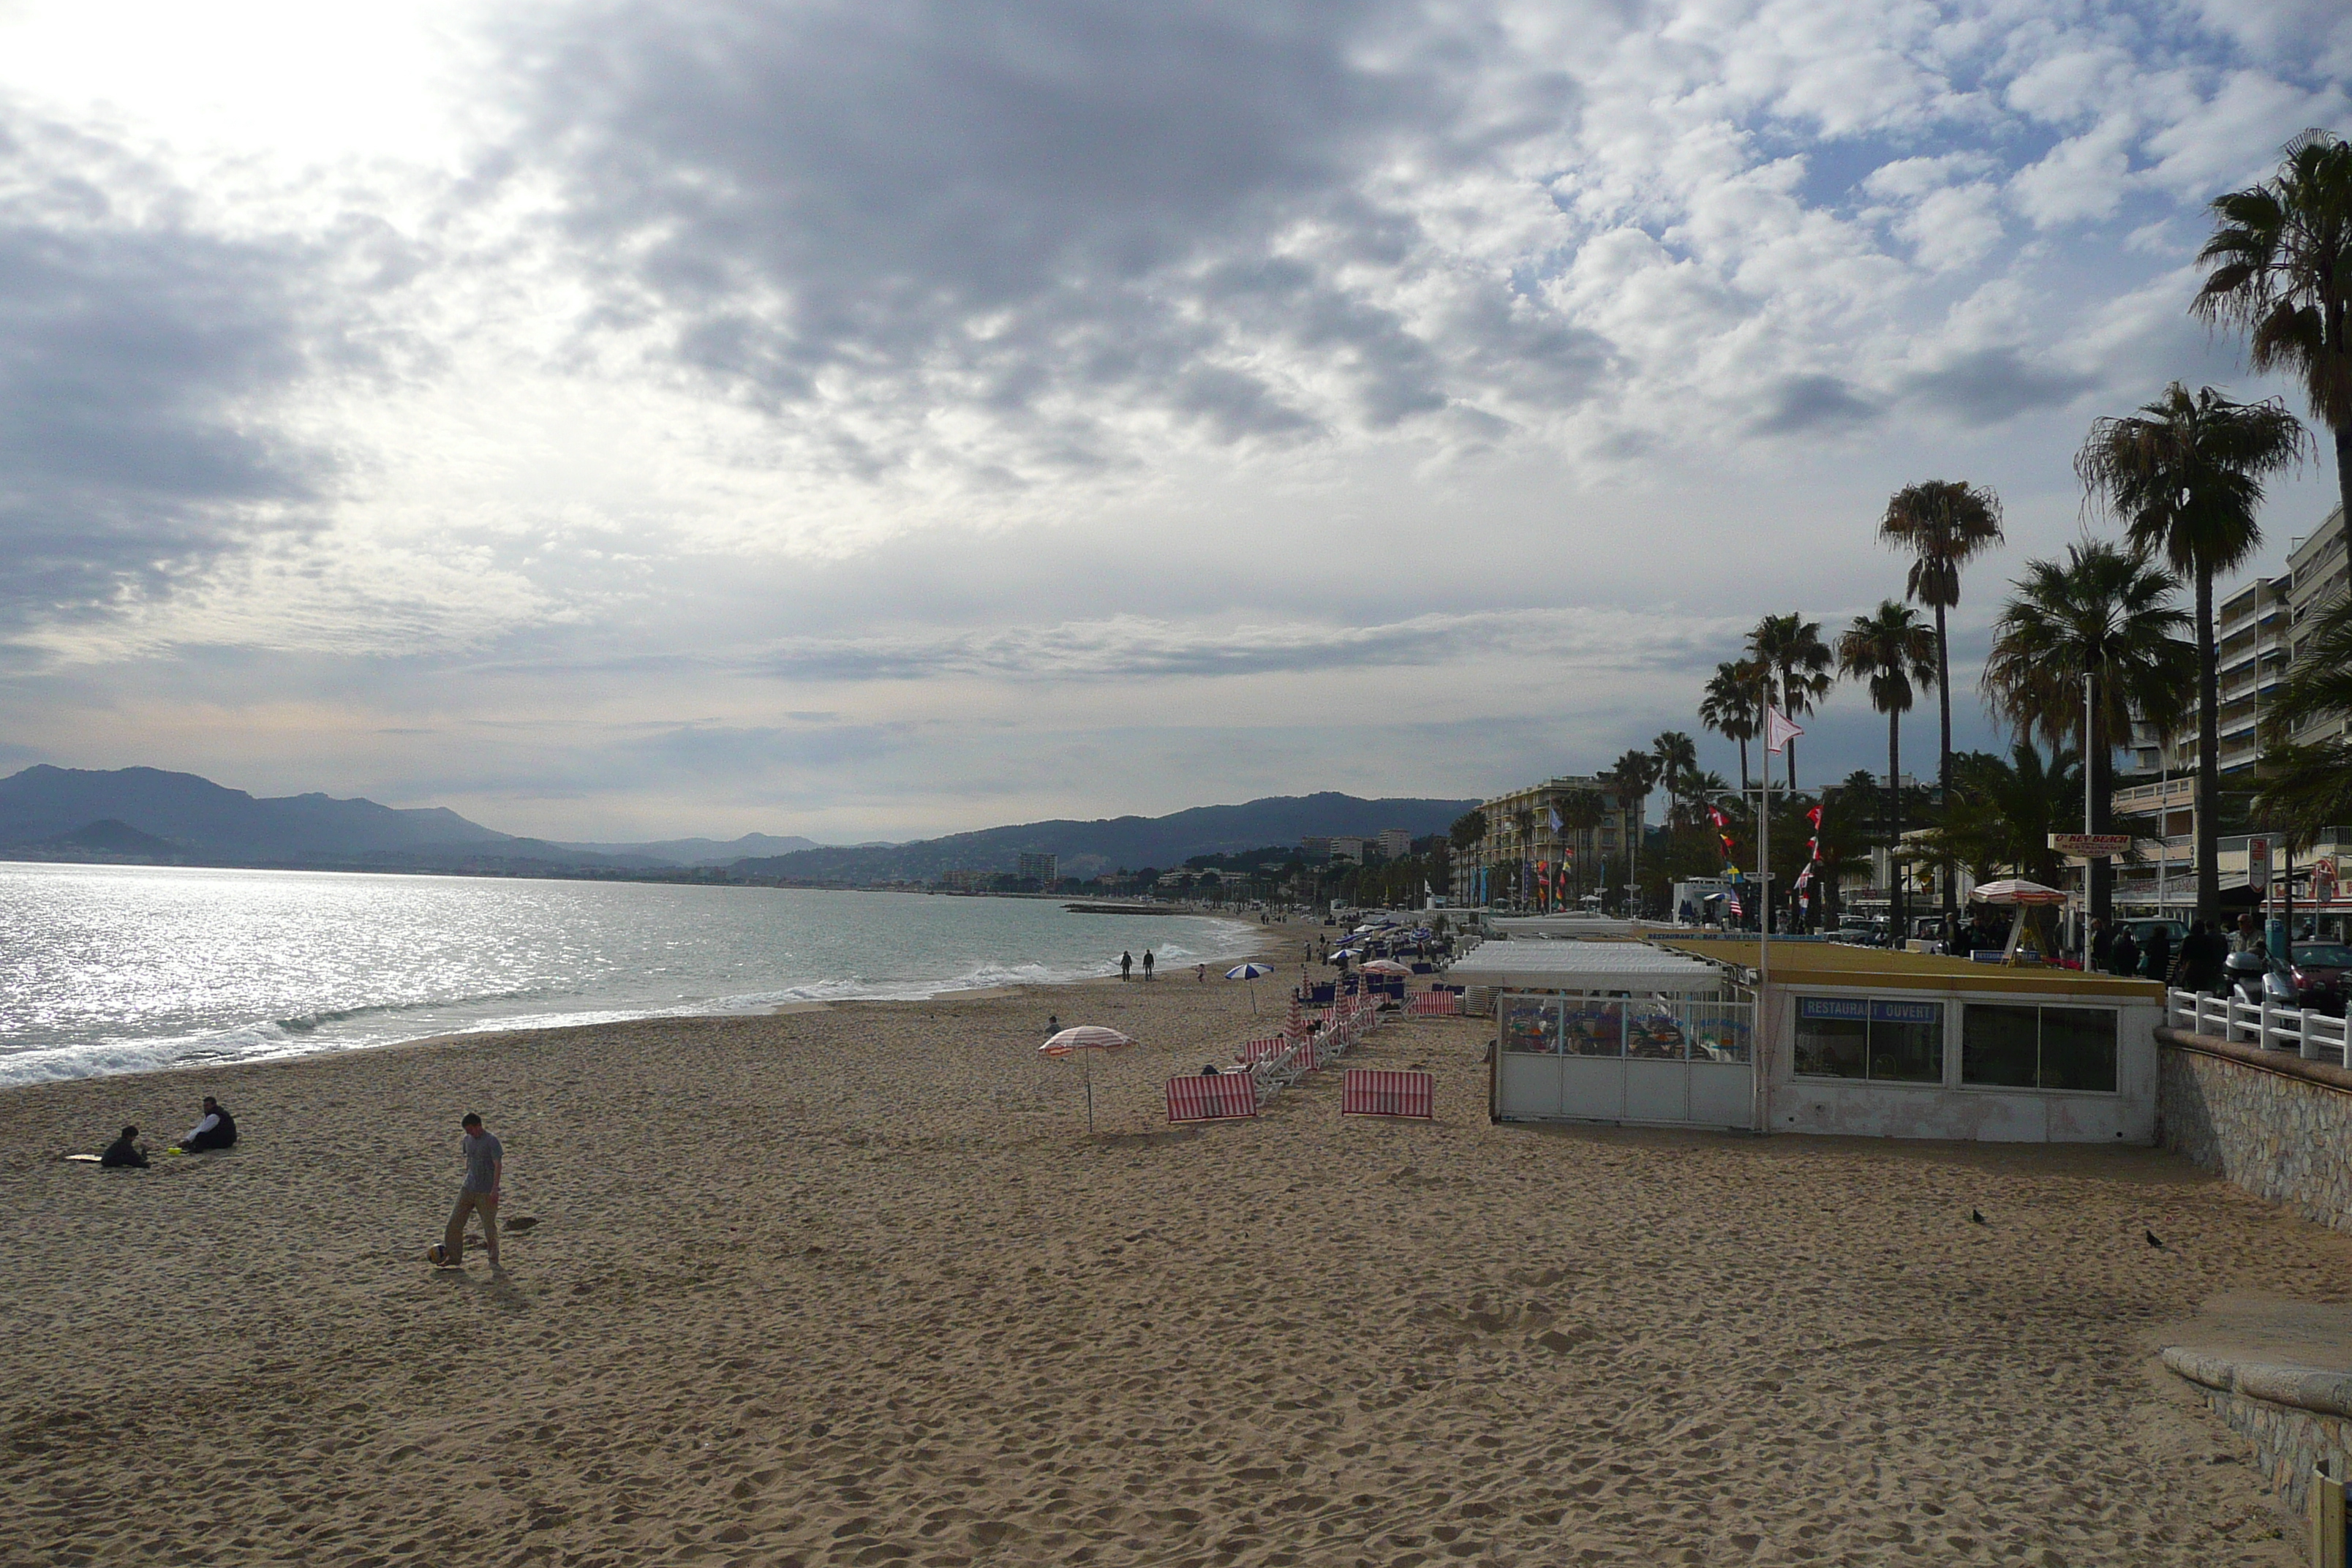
x,y
485,1160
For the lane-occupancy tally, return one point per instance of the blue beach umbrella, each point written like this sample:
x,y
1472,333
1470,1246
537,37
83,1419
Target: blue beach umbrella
x,y
1249,971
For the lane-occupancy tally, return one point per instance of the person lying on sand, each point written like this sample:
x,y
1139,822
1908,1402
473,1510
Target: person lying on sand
x,y
216,1131
125,1153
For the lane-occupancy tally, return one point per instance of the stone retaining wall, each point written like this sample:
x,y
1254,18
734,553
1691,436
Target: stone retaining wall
x,y
2293,1416
2277,1125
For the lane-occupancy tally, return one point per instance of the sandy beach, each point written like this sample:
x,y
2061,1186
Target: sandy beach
x,y
852,1286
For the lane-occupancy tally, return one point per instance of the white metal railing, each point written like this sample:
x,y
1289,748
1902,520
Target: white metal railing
x,y
2315,1036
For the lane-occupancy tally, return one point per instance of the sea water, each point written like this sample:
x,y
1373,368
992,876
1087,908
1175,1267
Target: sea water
x,y
108,969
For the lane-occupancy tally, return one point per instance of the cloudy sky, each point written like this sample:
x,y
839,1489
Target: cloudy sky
x,y
889,416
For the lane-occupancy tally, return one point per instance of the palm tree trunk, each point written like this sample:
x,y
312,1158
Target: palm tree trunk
x,y
2098,763
1944,758
2343,481
2208,753
1894,824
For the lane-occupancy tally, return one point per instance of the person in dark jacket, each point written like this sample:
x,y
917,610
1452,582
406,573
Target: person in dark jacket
x,y
2123,957
2198,965
216,1131
124,1152
2103,946
2156,964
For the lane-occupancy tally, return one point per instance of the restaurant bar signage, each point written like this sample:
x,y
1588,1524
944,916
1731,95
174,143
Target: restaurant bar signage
x,y
2091,846
1859,1008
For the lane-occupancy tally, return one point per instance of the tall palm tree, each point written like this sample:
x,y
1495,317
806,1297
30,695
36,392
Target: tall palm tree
x,y
1730,707
2306,788
2185,475
1634,776
2102,616
2283,270
1581,811
1944,524
1894,653
1796,667
1677,756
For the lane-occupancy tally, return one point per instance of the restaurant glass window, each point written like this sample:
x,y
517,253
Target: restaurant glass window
x,y
1865,1037
1833,1037
1531,1025
2013,1046
1906,1042
1595,1027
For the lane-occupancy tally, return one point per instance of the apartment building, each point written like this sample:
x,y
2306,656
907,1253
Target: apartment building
x,y
1521,845
2259,627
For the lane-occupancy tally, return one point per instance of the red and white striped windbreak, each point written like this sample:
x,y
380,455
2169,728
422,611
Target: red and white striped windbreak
x,y
1085,1038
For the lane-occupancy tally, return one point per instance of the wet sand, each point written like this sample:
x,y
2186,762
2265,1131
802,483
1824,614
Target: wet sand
x,y
852,1286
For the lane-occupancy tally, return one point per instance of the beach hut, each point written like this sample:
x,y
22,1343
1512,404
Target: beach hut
x,y
1615,1031
1860,1041
1875,1043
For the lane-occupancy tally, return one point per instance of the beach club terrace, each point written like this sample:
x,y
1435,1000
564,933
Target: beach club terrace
x,y
1856,1041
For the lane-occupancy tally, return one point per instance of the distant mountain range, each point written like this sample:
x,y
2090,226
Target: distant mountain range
x,y
1134,842
149,816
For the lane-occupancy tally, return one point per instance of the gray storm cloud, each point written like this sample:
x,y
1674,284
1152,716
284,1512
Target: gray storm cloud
x,y
140,360
875,214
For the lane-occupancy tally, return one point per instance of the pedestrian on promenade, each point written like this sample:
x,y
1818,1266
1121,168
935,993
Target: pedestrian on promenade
x,y
485,1164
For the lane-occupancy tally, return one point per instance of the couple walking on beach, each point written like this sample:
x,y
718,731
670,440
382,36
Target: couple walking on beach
x,y
1126,963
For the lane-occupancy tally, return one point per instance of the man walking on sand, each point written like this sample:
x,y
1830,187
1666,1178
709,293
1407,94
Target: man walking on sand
x,y
484,1161
1147,964
1126,963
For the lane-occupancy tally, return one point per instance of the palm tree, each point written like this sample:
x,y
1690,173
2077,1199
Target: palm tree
x,y
2002,813
1795,663
2185,474
1944,524
2309,787
1581,811
1894,652
1633,776
2283,256
1677,756
2102,616
1730,708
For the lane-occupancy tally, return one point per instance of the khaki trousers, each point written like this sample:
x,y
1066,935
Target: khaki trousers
x,y
453,1243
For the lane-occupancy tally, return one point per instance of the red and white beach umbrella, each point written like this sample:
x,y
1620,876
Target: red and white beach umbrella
x,y
1083,1040
1386,966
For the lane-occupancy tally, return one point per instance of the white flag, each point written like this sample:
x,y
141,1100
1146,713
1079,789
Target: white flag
x,y
1556,824
1779,731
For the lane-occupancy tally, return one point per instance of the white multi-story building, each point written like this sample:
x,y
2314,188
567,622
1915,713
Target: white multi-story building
x,y
2259,627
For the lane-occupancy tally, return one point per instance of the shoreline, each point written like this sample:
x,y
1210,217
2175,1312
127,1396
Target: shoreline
x,y
596,1017
297,1030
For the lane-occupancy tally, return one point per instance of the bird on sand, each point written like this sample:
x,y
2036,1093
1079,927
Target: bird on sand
x,y
2152,1239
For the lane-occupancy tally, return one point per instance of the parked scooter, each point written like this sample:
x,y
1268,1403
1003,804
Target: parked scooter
x,y
2253,976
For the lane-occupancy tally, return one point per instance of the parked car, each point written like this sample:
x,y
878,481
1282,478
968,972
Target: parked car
x,y
2320,974
2139,930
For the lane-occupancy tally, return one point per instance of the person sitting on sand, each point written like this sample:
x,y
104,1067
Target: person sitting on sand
x,y
125,1153
1209,1070
216,1131
1052,1024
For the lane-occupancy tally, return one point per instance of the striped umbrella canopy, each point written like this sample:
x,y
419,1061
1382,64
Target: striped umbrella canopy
x,y
1081,1039
1085,1038
1249,971
1386,966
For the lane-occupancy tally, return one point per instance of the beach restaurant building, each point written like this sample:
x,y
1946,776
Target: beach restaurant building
x,y
1838,1039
